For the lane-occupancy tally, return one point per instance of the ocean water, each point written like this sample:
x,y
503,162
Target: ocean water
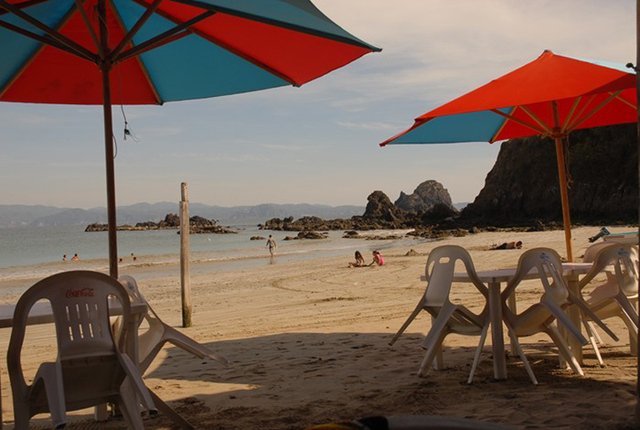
x,y
37,252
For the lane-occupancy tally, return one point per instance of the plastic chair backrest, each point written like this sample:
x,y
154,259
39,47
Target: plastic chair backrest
x,y
439,271
624,258
547,263
591,252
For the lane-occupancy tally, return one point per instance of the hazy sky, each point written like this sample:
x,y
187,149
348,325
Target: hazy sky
x,y
318,143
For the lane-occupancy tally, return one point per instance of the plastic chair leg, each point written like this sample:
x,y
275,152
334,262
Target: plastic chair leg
x,y
592,338
595,332
170,413
563,318
51,376
516,344
413,315
476,358
185,342
564,349
431,353
128,405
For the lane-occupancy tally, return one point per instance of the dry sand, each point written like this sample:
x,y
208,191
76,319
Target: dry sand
x,y
309,344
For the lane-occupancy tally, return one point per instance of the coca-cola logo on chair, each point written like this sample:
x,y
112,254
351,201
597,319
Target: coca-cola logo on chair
x,y
82,292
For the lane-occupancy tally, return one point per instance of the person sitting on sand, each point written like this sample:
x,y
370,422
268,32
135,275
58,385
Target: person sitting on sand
x,y
377,259
509,245
359,261
75,257
64,257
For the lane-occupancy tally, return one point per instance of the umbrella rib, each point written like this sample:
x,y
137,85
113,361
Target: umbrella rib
x,y
24,5
626,102
231,49
136,27
289,26
571,112
163,38
518,120
502,126
92,33
143,68
579,121
541,123
77,49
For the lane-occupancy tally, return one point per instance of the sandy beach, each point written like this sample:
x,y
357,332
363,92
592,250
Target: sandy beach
x,y
308,344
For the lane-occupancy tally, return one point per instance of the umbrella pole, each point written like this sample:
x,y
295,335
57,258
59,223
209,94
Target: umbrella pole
x,y
564,196
105,68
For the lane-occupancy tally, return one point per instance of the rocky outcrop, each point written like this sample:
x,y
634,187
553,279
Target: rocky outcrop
x,y
425,198
523,187
197,225
308,223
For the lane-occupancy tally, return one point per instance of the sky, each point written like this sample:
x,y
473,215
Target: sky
x,y
318,143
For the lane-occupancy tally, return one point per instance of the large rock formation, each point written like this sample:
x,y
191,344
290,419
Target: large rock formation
x,y
425,198
379,207
523,185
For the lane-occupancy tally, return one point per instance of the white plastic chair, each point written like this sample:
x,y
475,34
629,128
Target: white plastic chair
x,y
446,317
540,317
618,295
151,341
90,368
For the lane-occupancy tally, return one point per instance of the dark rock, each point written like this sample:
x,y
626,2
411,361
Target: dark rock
x,y
351,234
257,238
379,207
412,253
523,186
425,198
439,212
308,234
197,225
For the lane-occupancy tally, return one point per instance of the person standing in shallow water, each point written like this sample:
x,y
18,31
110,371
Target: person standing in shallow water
x,y
271,244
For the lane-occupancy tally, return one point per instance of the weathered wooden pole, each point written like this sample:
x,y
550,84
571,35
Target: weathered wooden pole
x,y
185,276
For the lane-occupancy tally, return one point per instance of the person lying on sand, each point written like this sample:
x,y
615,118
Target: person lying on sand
x,y
359,261
509,245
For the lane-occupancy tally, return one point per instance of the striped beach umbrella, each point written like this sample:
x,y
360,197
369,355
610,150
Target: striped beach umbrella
x,y
135,52
550,96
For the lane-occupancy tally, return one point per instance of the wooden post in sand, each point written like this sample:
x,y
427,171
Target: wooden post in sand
x,y
185,279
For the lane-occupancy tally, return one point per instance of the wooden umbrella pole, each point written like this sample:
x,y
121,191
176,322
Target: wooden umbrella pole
x,y
564,196
105,68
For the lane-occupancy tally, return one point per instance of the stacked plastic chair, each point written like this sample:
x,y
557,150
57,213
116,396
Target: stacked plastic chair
x,y
541,316
618,295
448,318
90,368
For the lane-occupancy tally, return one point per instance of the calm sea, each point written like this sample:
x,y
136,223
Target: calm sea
x,y
29,252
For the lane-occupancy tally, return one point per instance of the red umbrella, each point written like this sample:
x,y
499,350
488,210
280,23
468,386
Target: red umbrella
x,y
550,96
153,51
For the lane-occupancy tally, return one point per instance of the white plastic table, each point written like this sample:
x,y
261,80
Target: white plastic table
x,y
494,279
41,314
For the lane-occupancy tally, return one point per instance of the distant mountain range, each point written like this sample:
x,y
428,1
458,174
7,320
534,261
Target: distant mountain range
x,y
38,215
